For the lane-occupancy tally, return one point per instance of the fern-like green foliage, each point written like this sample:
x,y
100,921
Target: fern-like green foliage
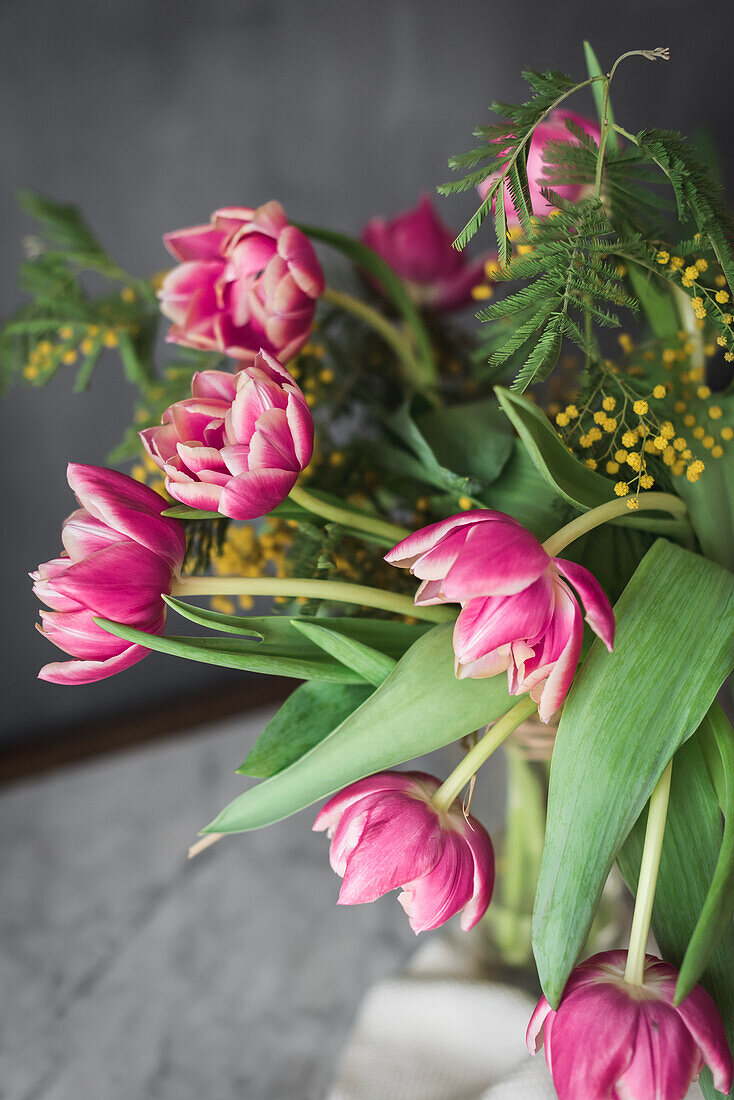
x,y
568,275
63,252
502,156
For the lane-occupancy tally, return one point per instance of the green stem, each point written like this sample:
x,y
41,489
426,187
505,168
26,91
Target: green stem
x,y
346,517
635,970
472,762
412,372
663,502
337,591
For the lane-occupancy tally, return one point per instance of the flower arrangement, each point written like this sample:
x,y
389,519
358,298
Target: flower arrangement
x,y
323,444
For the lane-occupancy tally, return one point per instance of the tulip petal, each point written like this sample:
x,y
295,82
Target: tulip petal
x,y
119,582
701,1017
599,614
77,633
195,494
401,841
300,423
497,559
271,445
565,624
328,816
129,507
591,1042
87,672
298,252
478,840
665,1058
485,624
82,534
534,1033
432,899
409,549
217,384
255,493
200,242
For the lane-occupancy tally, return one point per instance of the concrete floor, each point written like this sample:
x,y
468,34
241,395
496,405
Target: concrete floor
x,y
129,973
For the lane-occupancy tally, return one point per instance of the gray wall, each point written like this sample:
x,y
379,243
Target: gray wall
x,y
150,113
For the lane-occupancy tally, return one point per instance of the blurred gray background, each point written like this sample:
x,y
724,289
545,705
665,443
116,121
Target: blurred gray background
x,y
151,113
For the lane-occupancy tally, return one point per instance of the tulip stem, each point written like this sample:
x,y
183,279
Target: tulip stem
x,y
346,517
662,502
480,753
635,970
412,372
336,591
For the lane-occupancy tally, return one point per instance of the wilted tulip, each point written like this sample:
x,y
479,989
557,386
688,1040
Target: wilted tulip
x,y
518,613
553,129
238,443
419,247
385,834
120,558
612,1039
247,281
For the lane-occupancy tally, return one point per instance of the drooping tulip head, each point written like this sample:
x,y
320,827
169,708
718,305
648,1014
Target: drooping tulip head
x,y
238,444
419,247
518,612
385,834
120,556
247,281
612,1039
552,129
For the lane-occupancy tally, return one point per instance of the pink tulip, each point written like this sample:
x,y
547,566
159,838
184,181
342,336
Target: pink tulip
x,y
386,834
238,444
610,1039
119,557
419,247
247,281
517,612
553,129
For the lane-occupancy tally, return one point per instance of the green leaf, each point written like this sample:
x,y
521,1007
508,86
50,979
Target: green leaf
x,y
523,494
656,300
597,89
689,855
626,715
182,511
421,463
474,440
367,662
710,501
386,635
391,284
543,357
581,487
420,707
252,656
717,739
307,717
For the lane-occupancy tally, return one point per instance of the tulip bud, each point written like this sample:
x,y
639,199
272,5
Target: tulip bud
x,y
420,248
552,129
385,834
518,613
238,444
247,281
610,1038
120,557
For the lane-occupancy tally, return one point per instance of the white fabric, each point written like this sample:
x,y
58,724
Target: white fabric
x,y
437,1032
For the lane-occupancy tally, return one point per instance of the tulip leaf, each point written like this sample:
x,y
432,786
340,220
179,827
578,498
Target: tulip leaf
x,y
688,862
386,635
182,511
578,485
656,299
307,717
717,743
473,439
367,662
252,656
710,501
626,715
420,707
597,90
391,284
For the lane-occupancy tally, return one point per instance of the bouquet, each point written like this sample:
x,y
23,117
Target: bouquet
x,y
518,534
